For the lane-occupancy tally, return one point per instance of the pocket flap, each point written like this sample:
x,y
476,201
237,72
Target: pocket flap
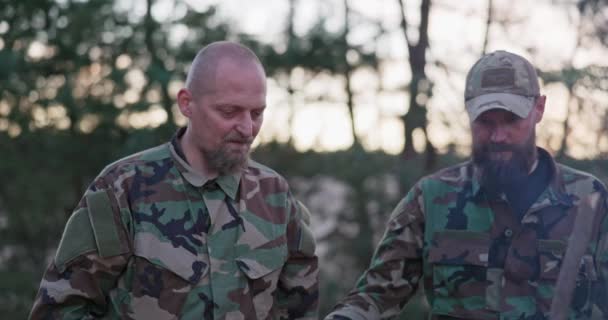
x,y
552,253
460,247
178,260
557,247
259,262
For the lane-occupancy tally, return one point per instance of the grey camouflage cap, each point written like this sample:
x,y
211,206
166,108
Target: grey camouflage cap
x,y
501,80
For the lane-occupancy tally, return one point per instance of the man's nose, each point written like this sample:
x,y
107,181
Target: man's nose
x,y
245,125
499,134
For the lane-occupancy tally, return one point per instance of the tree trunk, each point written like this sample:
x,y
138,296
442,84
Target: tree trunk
x,y
151,27
347,75
563,148
420,87
290,90
486,38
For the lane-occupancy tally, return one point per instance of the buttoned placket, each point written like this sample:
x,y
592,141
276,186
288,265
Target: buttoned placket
x,y
517,226
222,242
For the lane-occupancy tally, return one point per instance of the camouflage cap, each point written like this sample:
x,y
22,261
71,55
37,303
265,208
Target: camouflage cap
x,y
501,80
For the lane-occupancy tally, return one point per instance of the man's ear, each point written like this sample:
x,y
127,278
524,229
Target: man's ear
x,y
539,108
184,101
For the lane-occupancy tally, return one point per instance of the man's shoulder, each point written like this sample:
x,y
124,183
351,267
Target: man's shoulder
x,y
138,160
258,171
578,182
455,176
254,167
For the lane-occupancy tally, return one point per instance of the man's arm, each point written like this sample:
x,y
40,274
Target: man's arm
x,y
91,256
298,287
395,270
600,290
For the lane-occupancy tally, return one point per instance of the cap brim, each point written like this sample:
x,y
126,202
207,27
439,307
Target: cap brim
x,y
514,103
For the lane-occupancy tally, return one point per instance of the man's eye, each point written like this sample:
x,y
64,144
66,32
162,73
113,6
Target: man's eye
x,y
228,112
256,114
483,121
512,119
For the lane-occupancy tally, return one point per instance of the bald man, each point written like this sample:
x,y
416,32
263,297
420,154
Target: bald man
x,y
193,228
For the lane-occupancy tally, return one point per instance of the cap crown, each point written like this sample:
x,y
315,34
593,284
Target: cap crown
x,y
502,72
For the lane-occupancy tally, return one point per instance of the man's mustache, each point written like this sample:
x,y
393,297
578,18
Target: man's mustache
x,y
237,138
499,147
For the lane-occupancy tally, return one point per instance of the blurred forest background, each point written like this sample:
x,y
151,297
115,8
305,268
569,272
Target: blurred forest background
x,y
365,97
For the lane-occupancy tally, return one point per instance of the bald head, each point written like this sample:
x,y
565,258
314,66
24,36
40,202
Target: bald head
x,y
203,72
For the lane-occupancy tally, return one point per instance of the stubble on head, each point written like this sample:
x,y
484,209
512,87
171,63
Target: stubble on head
x,y
201,80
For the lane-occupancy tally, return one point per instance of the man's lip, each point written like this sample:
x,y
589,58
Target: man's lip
x,y
240,145
500,155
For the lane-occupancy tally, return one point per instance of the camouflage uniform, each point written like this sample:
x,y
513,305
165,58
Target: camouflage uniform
x,y
476,260
152,239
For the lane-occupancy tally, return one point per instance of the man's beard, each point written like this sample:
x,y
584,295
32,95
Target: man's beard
x,y
497,175
225,160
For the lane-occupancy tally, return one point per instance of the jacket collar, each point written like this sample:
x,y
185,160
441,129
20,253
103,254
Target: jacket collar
x,y
554,193
228,183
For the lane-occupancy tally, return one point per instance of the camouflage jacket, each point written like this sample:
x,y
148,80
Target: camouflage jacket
x,y
152,239
475,259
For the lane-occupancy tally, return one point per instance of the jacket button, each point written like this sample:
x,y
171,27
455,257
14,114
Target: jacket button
x,y
508,233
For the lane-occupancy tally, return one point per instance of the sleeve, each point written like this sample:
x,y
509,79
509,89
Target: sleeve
x,y
395,270
600,290
298,289
92,253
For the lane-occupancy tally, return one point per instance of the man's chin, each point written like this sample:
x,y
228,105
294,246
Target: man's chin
x,y
238,148
228,160
237,156
497,175
239,160
500,156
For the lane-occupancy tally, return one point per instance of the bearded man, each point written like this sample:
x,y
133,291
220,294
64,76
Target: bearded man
x,y
191,229
510,234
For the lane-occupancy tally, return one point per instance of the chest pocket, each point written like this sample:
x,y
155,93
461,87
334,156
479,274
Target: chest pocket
x,y
262,267
161,277
459,262
551,254
179,261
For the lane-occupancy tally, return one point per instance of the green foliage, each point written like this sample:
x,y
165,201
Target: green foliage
x,y
591,77
594,15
